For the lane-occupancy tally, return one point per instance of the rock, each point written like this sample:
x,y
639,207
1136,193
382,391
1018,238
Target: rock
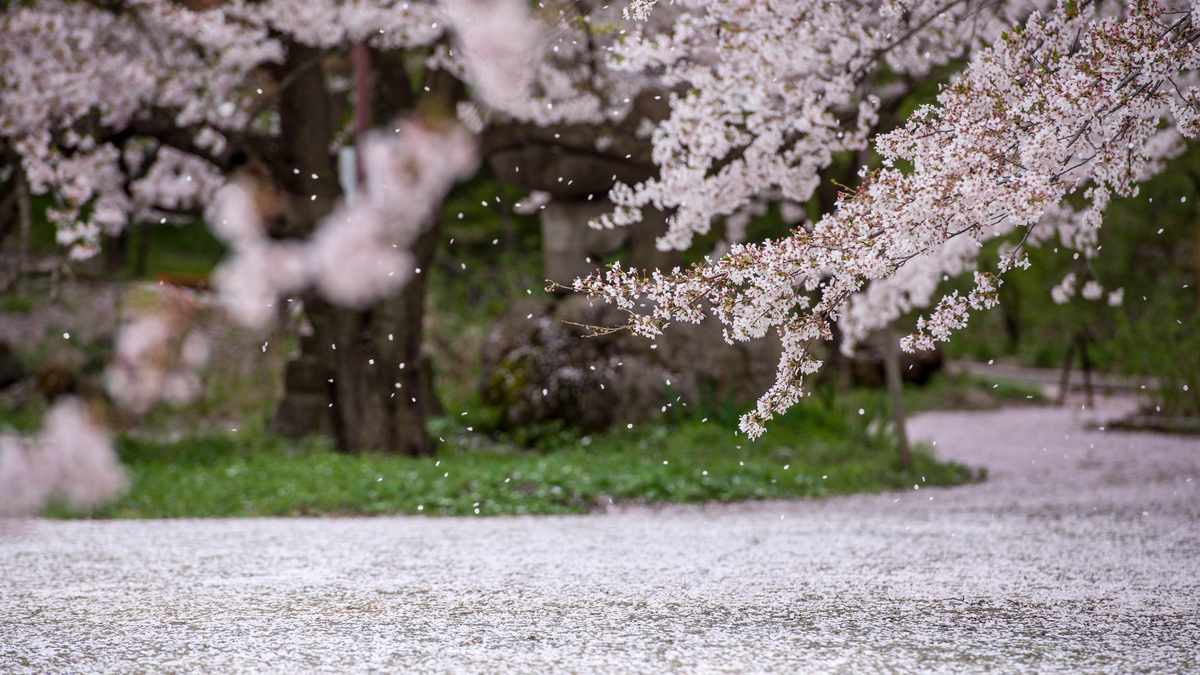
x,y
571,248
568,242
305,408
539,367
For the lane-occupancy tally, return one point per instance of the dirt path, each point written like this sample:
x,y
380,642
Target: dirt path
x,y
1080,554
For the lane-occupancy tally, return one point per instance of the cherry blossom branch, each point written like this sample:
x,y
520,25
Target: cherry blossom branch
x,y
958,186
782,97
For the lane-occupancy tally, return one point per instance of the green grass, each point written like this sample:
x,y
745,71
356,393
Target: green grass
x,y
815,451
22,419
825,447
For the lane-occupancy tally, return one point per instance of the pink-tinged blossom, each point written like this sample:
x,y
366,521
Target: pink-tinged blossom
x,y
1063,290
71,460
532,203
499,44
413,167
358,253
158,353
407,174
257,270
253,277
1068,104
353,258
774,91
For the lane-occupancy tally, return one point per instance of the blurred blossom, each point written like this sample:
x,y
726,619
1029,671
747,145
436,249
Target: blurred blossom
x,y
792,212
357,254
531,204
1092,290
250,280
1064,290
236,219
469,114
356,238
71,460
196,350
22,489
156,354
412,168
499,43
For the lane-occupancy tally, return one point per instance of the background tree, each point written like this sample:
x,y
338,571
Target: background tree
x,y
139,112
147,112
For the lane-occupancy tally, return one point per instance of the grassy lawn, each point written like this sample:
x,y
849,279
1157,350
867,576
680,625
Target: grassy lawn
x,y
829,445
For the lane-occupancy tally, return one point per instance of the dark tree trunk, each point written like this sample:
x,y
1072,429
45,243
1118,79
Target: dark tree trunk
x,y
143,250
372,366
359,376
895,387
9,194
116,252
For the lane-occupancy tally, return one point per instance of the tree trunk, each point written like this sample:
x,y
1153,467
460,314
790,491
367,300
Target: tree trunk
x,y
25,219
359,376
372,366
142,258
895,386
1196,278
116,251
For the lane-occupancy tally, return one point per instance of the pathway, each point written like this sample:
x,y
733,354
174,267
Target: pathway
x,y
1081,553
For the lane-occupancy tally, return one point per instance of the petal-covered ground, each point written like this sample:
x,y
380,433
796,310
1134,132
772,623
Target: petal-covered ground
x,y
1081,553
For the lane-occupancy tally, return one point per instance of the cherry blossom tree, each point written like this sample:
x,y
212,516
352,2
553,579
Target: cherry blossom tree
x,y
149,111
153,111
1082,100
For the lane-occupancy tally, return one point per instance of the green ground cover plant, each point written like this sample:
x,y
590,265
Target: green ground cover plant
x,y
834,444
818,450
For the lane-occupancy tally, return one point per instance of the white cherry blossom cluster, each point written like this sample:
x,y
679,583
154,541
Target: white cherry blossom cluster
x,y
1062,292
76,76
89,92
556,70
765,94
915,284
1065,104
385,24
